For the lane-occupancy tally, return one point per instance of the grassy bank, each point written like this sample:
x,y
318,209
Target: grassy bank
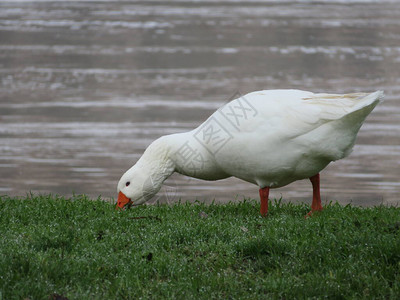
x,y
80,249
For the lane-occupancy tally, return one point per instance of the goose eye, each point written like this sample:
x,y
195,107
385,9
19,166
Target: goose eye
x,y
127,183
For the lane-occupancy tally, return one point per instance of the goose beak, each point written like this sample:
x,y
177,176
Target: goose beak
x,y
122,201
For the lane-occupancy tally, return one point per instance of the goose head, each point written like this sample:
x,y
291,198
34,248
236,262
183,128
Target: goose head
x,y
142,181
130,188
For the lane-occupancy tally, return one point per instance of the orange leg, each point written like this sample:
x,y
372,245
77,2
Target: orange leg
x,y
316,201
264,192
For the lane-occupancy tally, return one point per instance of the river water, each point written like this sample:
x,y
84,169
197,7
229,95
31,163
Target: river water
x,y
85,86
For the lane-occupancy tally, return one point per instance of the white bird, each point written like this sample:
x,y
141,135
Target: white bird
x,y
270,138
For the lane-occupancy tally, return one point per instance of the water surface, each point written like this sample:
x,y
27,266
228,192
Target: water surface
x,y
85,86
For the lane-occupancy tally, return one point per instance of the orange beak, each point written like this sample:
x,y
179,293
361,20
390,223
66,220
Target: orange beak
x,y
122,201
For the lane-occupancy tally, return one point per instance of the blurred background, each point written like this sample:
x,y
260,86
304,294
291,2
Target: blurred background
x,y
86,86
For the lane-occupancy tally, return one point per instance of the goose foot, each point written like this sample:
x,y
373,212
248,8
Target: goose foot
x,y
264,193
316,204
311,213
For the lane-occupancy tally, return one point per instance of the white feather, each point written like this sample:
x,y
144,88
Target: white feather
x,y
269,138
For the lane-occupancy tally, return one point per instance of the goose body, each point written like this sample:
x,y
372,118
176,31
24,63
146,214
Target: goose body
x,y
269,138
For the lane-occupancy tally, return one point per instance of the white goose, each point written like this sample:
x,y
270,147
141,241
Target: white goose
x,y
270,138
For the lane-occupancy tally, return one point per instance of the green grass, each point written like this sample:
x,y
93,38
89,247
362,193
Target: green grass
x,y
81,249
